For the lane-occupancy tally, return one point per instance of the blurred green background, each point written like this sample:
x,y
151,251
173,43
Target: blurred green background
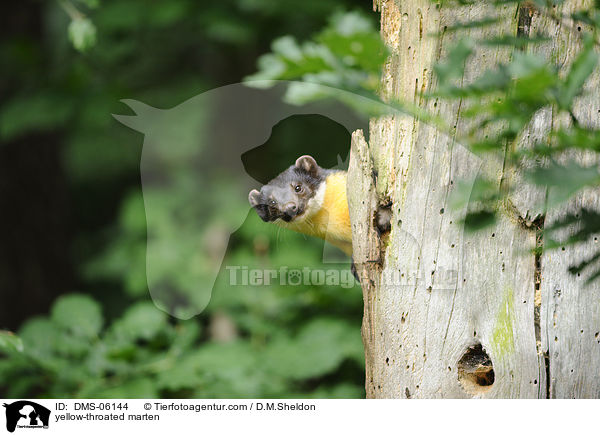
x,y
73,225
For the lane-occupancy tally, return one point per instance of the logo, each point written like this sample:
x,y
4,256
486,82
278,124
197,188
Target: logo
x,y
26,414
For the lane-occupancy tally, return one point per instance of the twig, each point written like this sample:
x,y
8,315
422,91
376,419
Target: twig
x,y
71,10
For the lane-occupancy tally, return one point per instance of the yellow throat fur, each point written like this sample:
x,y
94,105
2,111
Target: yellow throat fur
x,y
327,214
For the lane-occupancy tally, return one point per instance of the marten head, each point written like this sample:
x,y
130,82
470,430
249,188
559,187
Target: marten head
x,y
291,195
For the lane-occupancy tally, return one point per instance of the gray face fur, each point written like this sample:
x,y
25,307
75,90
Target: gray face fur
x,y
286,196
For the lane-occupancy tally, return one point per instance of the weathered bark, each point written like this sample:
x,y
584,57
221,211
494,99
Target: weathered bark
x,y
451,315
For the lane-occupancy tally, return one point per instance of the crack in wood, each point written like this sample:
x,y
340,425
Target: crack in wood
x,y
525,12
538,224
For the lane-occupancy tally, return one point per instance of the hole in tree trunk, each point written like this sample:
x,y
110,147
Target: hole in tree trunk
x,y
475,370
382,218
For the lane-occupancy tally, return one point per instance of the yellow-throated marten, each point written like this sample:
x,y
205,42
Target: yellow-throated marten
x,y
308,199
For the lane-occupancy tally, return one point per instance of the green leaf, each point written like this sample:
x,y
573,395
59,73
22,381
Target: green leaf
x,y
351,38
350,23
454,65
348,54
79,314
584,224
525,65
82,34
515,41
487,145
39,336
471,24
584,264
563,180
219,369
578,137
49,346
479,220
580,226
288,48
143,320
583,66
488,82
10,343
585,17
317,350
480,198
478,192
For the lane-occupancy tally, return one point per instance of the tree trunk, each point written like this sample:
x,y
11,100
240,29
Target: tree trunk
x,y
447,314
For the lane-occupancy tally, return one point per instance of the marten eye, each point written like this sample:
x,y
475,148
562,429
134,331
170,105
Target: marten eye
x,y
272,202
298,188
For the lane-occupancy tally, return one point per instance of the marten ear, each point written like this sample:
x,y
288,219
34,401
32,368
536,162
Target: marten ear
x,y
254,198
307,164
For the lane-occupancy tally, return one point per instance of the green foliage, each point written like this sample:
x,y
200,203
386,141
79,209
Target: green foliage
x,y
583,66
581,226
81,30
10,343
82,33
481,198
347,54
142,354
79,314
454,66
564,180
320,347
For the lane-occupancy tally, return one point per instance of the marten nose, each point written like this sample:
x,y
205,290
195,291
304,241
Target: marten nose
x,y
291,208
